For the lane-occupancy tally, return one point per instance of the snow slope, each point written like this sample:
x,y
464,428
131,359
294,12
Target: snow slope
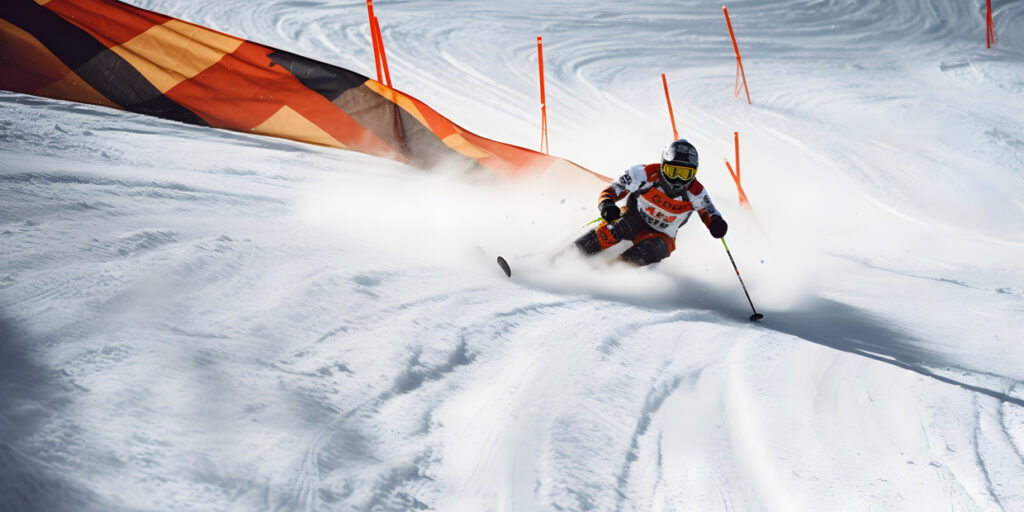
x,y
198,319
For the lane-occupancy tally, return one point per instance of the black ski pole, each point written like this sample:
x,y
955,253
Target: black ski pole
x,y
756,316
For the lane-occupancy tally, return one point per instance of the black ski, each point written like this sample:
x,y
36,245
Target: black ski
x,y
504,266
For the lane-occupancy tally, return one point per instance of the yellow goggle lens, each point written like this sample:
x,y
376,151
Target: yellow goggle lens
x,y
679,172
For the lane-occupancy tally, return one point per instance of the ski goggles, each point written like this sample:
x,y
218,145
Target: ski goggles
x,y
678,172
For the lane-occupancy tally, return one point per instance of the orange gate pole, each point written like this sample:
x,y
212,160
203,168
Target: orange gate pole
x,y
543,102
373,36
383,54
736,175
671,116
739,60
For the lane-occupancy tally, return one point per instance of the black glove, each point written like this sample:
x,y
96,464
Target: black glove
x,y
609,211
718,227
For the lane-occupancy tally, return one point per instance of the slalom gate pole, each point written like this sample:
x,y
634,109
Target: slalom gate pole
x,y
756,316
383,54
373,37
543,101
671,116
739,60
736,174
990,27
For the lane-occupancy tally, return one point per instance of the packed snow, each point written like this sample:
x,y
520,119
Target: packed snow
x,y
196,319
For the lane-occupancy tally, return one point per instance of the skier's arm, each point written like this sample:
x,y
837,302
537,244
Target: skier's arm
x,y
709,215
630,181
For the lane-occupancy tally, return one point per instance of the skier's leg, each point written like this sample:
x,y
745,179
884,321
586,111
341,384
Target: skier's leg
x,y
596,240
650,247
607,235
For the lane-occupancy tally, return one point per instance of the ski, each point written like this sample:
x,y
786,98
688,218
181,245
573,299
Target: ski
x,y
504,267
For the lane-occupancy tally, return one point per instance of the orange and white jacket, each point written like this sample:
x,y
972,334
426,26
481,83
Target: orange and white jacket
x,y
661,212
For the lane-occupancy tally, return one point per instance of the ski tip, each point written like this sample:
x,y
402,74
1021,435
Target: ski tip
x,y
756,316
504,266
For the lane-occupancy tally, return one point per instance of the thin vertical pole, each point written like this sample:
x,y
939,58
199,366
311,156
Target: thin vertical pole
x,y
736,139
739,60
736,173
990,28
671,116
543,101
383,54
373,36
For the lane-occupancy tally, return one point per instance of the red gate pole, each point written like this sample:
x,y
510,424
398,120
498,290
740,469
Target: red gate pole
x,y
739,60
671,116
543,102
373,36
990,27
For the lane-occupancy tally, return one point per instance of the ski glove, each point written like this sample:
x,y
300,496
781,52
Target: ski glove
x,y
718,227
609,211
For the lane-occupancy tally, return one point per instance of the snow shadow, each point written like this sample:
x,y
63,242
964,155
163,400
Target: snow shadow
x,y
841,327
30,399
838,326
849,329
814,319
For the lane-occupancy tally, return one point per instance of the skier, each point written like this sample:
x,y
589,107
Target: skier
x,y
661,199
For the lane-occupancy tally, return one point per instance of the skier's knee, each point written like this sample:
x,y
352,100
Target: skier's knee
x,y
588,243
646,252
597,240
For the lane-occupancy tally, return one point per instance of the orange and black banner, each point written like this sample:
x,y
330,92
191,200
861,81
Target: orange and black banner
x,y
108,53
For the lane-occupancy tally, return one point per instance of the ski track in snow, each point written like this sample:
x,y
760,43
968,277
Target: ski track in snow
x,y
206,320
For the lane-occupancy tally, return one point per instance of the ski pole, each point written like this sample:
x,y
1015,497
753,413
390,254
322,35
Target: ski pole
x,y
756,316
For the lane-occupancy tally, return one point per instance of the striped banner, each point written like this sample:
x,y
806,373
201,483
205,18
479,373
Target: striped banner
x,y
105,52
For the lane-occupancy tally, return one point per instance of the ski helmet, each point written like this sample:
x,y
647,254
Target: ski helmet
x,y
678,166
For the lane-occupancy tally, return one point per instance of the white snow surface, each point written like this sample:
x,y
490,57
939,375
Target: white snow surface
x,y
196,319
